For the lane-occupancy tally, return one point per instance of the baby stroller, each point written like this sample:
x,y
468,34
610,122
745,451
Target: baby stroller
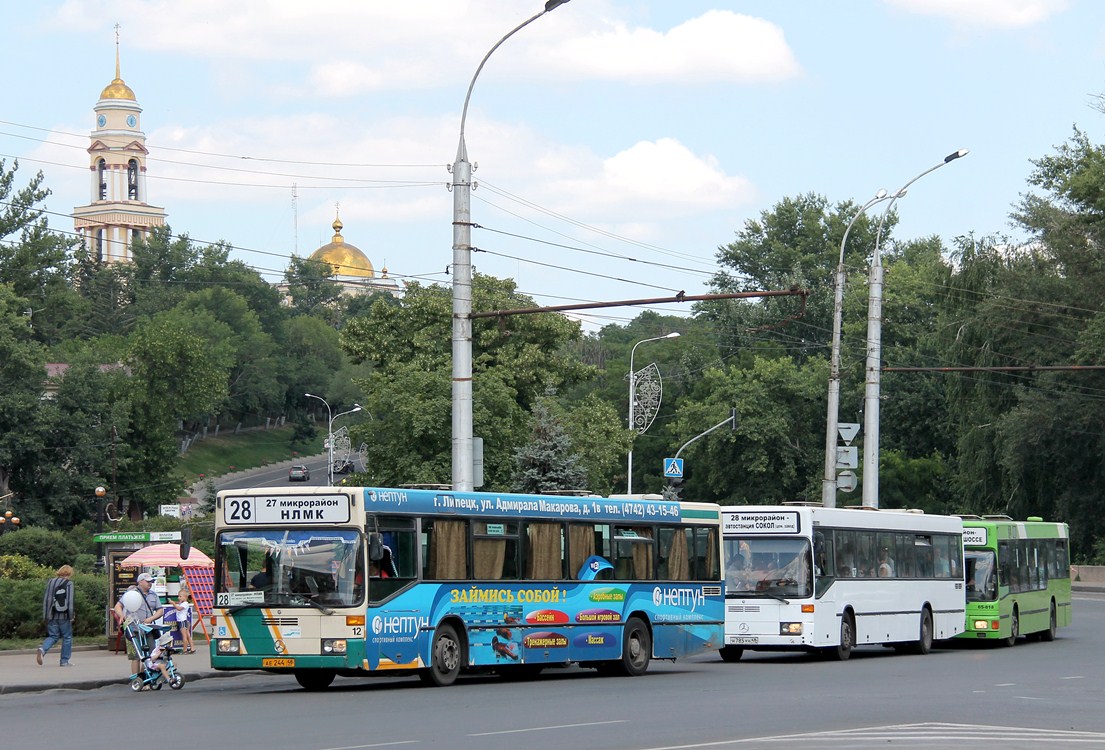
x,y
150,676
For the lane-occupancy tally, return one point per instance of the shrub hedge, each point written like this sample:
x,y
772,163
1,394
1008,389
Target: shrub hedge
x,y
21,614
50,548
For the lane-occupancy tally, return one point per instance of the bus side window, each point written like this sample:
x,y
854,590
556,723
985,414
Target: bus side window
x,y
494,550
633,553
544,551
865,555
446,545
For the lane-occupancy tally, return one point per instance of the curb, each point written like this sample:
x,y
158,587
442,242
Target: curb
x,y
95,683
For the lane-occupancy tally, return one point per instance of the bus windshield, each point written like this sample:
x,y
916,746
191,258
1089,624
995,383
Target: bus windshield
x,y
322,567
982,584
767,567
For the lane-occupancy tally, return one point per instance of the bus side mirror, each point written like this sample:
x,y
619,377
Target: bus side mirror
x,y
185,543
375,547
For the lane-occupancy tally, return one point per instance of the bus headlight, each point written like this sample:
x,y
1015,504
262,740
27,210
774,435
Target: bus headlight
x,y
333,645
228,646
790,628
981,625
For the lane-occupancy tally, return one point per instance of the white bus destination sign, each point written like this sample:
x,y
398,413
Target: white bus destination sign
x,y
759,522
286,509
974,536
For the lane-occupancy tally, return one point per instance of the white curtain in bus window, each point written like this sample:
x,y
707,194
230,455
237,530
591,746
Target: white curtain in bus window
x,y
581,545
545,559
448,550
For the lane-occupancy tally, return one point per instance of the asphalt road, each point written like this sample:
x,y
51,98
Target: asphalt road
x,y
1032,695
277,476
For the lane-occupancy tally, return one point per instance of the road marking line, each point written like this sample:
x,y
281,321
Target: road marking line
x,y
542,729
378,744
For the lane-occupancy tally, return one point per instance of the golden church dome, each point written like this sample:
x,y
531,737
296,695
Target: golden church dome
x,y
117,90
346,259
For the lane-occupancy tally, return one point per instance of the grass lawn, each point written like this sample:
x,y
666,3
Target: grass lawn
x,y
220,455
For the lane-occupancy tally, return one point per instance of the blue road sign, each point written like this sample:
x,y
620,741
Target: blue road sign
x,y
673,468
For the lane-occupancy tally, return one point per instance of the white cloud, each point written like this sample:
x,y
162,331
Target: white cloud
x,y
1008,14
347,47
716,46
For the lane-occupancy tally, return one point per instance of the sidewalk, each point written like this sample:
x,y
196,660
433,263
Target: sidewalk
x,y
93,667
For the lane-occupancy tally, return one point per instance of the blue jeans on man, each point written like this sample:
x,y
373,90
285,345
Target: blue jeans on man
x,y
59,630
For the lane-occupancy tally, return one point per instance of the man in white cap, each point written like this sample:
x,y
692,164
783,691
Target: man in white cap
x,y
148,613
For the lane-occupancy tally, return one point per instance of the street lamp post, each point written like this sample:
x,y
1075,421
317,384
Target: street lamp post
x,y
330,417
828,483
874,350
633,399
462,286
100,493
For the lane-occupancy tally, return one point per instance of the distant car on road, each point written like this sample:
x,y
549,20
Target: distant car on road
x,y
299,474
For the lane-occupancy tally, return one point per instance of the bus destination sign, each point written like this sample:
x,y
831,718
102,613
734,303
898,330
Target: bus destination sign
x,y
760,522
282,510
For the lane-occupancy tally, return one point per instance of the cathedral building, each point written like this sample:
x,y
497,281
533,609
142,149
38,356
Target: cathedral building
x,y
352,268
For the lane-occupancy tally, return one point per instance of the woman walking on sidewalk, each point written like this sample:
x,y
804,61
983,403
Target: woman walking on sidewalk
x,y
58,607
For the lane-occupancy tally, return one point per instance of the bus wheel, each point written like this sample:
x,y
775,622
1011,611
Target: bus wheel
x,y
924,640
1015,629
731,653
847,638
1049,634
314,680
444,658
636,648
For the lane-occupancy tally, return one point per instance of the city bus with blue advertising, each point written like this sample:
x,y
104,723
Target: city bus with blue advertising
x,y
318,582
1018,578
811,578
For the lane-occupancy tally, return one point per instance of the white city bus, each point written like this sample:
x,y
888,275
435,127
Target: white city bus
x,y
815,578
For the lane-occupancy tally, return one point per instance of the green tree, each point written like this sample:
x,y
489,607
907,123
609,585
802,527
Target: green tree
x,y
23,374
179,362
547,462
312,288
407,345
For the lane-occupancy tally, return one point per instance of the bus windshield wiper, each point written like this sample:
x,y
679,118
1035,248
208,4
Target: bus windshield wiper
x,y
301,599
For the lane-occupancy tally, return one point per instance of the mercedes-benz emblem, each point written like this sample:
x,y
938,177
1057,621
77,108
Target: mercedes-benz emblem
x,y
743,627
280,647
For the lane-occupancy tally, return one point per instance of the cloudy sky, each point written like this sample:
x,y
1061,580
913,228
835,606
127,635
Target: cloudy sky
x,y
618,142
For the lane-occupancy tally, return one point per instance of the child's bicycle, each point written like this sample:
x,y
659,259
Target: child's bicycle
x,y
151,677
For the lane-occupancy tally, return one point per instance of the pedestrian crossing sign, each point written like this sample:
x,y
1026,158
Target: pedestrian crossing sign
x,y
673,468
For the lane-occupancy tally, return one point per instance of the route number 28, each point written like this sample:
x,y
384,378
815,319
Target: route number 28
x,y
239,510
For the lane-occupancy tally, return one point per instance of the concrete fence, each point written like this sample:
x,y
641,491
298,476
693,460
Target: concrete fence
x,y
1088,574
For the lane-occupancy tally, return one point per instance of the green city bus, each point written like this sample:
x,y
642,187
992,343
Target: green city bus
x,y
1018,578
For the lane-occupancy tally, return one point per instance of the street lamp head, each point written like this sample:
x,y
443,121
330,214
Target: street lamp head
x,y
553,4
881,194
672,335
957,155
357,407
100,492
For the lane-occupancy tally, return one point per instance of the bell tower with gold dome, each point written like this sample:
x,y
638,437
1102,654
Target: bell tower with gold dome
x,y
117,213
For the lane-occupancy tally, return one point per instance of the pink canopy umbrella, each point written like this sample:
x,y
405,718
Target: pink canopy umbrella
x,y
166,556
